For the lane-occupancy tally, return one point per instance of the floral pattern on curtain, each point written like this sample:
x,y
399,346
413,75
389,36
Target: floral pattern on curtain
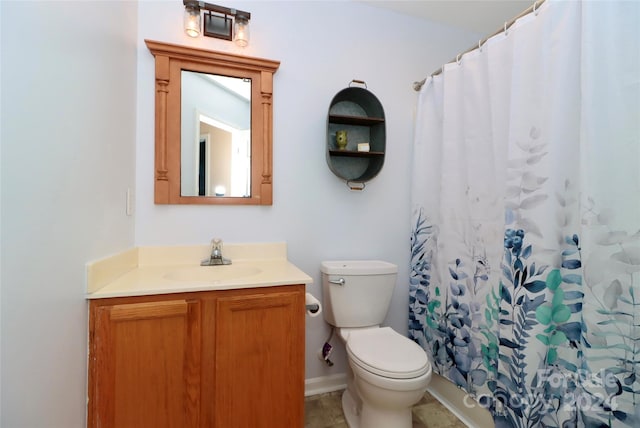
x,y
525,245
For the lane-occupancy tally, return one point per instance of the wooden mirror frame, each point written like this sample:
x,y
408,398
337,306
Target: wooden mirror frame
x,y
170,60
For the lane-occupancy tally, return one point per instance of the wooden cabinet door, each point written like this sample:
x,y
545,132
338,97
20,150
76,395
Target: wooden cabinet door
x,y
259,375
144,364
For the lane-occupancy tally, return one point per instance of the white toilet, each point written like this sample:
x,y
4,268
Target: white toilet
x,y
388,373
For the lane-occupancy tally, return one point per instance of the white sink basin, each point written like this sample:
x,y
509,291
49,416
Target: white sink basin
x,y
212,273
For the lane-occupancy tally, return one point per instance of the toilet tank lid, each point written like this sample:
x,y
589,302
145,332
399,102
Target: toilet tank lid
x,y
358,267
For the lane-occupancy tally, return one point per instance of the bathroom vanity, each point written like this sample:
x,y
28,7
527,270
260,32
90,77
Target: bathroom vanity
x,y
200,352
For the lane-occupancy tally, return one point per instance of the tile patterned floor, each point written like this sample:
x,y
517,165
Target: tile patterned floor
x,y
325,411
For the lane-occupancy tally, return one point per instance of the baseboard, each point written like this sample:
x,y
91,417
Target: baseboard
x,y
453,398
323,384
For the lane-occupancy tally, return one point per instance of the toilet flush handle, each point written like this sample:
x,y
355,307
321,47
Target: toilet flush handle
x,y
337,281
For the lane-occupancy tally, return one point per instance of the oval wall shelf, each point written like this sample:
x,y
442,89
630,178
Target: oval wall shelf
x,y
359,113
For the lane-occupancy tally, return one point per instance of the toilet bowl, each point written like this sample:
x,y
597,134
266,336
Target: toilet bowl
x,y
387,372
388,375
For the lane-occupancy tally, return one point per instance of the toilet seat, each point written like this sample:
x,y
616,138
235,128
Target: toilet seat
x,y
384,352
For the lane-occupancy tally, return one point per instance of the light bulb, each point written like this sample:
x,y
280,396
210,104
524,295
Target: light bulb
x,y
192,21
241,31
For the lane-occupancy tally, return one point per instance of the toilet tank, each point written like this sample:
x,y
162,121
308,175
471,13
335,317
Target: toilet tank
x,y
364,297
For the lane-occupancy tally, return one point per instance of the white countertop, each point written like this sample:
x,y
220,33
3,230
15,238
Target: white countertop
x,y
163,270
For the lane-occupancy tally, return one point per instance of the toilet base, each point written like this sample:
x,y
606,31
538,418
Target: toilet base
x,y
350,410
381,418
374,418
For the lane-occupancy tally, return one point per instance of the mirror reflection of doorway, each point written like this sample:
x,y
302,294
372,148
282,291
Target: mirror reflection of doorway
x,y
202,168
224,160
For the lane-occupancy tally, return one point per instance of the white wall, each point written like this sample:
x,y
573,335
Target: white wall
x,y
322,46
74,105
68,135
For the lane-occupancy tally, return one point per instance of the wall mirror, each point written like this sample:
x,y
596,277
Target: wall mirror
x,y
213,126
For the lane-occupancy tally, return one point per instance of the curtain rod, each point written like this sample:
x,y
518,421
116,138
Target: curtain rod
x,y
535,6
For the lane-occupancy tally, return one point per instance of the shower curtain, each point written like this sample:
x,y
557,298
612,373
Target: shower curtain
x,y
525,263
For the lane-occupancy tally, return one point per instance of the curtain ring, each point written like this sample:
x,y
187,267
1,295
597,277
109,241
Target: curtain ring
x,y
506,29
458,59
535,11
480,45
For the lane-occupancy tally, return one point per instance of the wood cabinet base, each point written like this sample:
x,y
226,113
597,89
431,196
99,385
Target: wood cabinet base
x,y
219,359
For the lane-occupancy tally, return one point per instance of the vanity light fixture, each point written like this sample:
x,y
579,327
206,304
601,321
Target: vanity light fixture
x,y
219,22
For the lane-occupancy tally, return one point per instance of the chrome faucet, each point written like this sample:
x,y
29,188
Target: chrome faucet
x,y
216,258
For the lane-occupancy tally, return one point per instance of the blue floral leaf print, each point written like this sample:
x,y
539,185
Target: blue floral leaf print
x,y
478,377
535,286
507,382
421,296
518,266
463,339
456,289
415,325
575,308
530,305
453,274
457,377
572,278
590,422
459,342
463,362
507,257
571,264
573,294
456,322
629,380
508,343
506,272
505,294
621,416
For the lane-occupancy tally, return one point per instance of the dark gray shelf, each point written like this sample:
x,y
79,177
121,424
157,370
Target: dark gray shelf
x,y
360,114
